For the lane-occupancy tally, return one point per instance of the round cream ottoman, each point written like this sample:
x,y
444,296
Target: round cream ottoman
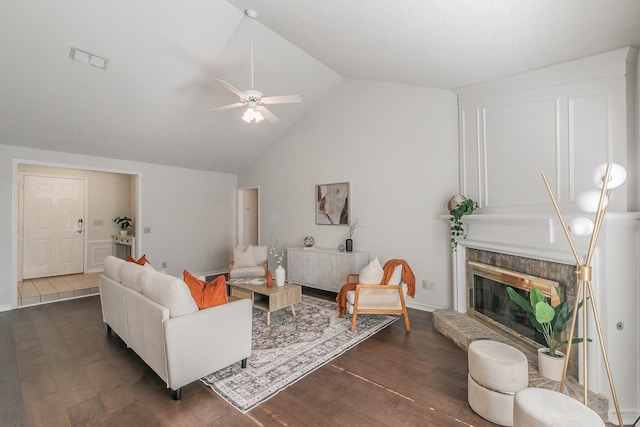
x,y
538,407
496,372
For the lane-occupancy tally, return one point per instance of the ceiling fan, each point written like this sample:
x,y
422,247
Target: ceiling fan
x,y
253,98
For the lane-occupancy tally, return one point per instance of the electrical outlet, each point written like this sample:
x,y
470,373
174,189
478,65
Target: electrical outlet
x,y
147,230
428,285
97,222
164,264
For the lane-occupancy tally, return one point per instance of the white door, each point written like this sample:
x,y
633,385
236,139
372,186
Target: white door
x,y
53,226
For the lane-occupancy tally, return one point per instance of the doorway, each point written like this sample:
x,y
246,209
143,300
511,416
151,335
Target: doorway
x,y
248,216
50,233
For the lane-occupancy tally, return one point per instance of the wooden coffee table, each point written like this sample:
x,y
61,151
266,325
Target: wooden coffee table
x,y
268,299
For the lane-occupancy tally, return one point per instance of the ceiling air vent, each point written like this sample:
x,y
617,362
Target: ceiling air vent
x,y
89,58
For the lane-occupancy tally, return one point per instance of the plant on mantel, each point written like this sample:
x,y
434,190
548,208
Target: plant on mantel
x,y
464,207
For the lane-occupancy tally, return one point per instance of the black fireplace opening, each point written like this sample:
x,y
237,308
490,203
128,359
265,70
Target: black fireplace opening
x,y
490,299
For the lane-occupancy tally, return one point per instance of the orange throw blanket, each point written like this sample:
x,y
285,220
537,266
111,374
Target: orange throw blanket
x,y
407,277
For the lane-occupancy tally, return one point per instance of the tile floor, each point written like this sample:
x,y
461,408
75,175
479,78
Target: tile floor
x,y
46,289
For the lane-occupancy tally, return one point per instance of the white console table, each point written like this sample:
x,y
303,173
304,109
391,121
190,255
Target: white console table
x,y
323,268
125,245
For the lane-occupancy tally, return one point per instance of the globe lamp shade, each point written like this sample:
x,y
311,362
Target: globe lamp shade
x,y
588,201
581,226
617,175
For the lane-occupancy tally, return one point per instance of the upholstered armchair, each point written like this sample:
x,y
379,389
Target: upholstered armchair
x,y
249,261
370,298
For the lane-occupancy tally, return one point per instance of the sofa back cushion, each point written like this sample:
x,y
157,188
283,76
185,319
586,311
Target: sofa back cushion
x,y
169,292
131,275
111,266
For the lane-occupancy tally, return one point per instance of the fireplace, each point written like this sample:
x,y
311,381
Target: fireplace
x,y
489,274
490,301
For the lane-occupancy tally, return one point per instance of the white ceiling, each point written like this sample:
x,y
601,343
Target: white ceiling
x,y
151,102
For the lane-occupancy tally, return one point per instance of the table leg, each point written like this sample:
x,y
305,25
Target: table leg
x,y
293,310
268,318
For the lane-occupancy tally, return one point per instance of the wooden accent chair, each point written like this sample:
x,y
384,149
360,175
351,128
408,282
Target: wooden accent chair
x,y
248,261
376,299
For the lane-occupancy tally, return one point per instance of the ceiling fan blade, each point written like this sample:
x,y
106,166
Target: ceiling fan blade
x,y
228,107
283,99
271,118
231,88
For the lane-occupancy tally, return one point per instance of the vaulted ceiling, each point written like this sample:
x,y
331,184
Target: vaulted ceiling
x,y
150,103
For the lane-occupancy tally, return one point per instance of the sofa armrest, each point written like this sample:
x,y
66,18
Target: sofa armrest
x,y
206,341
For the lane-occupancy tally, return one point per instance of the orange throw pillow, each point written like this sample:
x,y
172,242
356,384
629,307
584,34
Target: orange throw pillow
x,y
142,261
207,294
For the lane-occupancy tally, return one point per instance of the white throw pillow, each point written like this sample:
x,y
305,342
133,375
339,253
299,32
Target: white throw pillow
x,y
372,273
260,254
243,258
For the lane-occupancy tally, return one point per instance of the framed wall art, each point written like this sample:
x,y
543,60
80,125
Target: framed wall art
x,y
332,204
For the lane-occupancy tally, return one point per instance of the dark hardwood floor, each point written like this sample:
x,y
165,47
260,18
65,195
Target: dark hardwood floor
x,y
59,367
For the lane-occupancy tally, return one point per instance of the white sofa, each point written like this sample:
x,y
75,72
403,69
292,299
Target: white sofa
x,y
155,315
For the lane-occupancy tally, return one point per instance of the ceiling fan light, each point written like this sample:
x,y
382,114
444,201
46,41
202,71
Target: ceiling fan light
x,y
248,115
252,116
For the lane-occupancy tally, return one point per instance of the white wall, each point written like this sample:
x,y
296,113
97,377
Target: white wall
x,y
562,120
191,213
398,147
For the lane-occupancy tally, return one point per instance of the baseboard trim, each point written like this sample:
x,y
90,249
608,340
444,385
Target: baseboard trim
x,y
421,307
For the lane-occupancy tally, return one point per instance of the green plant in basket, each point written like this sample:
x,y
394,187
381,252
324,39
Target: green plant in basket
x,y
466,207
549,321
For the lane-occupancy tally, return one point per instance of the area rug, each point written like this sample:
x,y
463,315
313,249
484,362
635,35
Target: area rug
x,y
289,349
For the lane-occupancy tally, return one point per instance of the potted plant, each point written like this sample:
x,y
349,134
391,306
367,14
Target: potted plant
x,y
550,322
124,223
458,207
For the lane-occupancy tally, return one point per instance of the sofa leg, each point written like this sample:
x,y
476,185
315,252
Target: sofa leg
x,y
176,394
243,364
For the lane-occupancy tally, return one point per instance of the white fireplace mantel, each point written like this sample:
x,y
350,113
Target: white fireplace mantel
x,y
615,284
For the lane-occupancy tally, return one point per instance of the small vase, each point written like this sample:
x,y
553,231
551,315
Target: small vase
x,y
550,367
123,232
349,245
280,276
269,279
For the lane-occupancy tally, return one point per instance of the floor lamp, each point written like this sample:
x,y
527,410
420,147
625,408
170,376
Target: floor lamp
x,y
607,176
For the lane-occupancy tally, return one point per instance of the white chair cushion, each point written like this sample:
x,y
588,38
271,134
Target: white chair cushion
x,y
237,273
372,273
169,292
111,266
243,257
